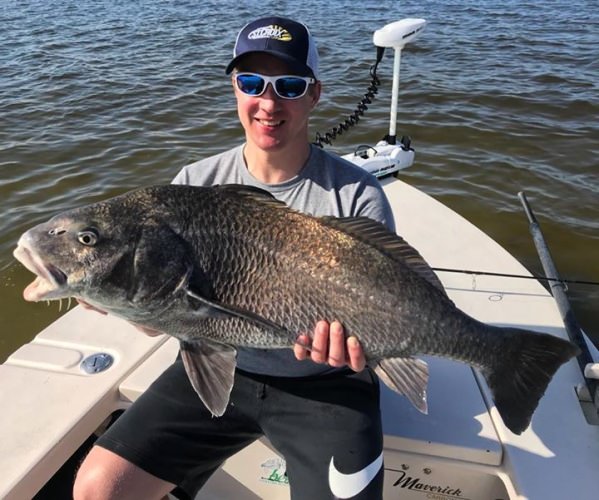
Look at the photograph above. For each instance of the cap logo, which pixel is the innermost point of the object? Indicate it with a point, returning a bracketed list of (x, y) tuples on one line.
[(273, 31)]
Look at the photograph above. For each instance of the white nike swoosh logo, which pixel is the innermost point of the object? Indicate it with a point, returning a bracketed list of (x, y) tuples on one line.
[(349, 485)]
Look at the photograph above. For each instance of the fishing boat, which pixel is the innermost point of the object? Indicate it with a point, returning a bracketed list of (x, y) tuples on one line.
[(74, 378)]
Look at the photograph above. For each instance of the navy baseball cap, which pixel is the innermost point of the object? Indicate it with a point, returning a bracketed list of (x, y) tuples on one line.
[(286, 39)]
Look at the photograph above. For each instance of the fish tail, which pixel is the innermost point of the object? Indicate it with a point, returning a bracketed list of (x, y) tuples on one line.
[(521, 373)]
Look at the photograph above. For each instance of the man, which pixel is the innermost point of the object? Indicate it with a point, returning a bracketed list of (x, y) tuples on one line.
[(319, 407)]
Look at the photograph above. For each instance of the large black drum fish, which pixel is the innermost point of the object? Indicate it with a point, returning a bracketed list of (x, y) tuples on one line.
[(226, 266)]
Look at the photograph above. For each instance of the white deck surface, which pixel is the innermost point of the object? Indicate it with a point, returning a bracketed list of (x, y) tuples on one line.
[(49, 406)]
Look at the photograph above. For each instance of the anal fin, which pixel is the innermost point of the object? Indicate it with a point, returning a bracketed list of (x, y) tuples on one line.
[(210, 367), (406, 376)]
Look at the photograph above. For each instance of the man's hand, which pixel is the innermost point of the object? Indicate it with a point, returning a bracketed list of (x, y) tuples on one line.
[(150, 332), (89, 307), (330, 346)]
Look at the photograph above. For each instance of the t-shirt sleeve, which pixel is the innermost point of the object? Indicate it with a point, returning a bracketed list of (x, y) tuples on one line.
[(373, 203)]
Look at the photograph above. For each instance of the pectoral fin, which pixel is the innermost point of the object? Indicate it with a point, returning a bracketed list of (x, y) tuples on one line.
[(207, 308), (210, 367), (406, 376)]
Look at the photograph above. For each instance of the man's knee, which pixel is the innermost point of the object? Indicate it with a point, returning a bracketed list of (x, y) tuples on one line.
[(97, 476), (104, 474)]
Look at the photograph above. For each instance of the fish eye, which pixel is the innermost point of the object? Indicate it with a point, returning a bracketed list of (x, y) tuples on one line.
[(88, 237)]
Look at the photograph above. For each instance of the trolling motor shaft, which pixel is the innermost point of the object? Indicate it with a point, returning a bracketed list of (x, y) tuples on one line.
[(396, 35)]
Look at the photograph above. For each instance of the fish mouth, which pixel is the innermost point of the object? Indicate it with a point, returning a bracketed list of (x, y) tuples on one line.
[(49, 281)]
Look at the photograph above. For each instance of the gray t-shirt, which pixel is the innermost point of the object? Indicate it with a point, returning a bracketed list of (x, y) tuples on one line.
[(326, 185)]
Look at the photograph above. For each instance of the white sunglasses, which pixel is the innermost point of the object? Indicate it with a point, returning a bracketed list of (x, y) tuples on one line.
[(285, 86)]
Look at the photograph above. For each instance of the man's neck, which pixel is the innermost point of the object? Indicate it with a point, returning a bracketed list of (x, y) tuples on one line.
[(274, 167)]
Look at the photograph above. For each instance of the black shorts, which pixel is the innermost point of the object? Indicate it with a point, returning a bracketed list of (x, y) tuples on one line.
[(322, 426)]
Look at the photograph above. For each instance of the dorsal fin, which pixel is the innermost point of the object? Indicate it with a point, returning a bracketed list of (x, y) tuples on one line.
[(376, 234), (249, 192)]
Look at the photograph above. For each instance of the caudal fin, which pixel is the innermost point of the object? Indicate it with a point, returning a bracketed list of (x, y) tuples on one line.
[(521, 373)]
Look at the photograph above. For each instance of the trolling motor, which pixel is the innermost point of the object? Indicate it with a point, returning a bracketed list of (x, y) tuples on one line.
[(387, 157)]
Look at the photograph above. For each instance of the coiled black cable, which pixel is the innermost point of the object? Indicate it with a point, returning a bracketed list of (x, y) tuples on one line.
[(354, 117)]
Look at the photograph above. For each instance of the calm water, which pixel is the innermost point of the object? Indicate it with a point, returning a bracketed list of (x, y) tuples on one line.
[(97, 98)]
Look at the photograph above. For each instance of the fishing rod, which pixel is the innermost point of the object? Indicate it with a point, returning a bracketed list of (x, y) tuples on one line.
[(521, 276), (558, 290)]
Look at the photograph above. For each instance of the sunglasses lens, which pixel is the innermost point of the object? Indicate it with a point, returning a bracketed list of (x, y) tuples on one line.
[(250, 84), (290, 88)]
